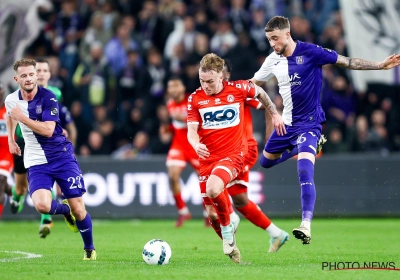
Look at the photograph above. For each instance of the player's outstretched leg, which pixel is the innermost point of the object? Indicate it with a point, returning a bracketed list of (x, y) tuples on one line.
[(84, 226), (46, 222), (308, 195), (86, 230), (254, 214), (184, 215)]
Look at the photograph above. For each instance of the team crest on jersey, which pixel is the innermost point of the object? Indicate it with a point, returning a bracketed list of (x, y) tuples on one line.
[(299, 59), (38, 109), (230, 98), (217, 101)]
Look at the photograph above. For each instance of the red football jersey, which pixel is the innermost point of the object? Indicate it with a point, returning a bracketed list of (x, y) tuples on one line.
[(221, 118), (179, 127)]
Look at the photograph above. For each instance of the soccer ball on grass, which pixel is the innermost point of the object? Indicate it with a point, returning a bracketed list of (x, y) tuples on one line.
[(156, 252)]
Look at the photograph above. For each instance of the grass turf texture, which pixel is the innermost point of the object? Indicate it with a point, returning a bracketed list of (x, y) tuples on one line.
[(197, 251)]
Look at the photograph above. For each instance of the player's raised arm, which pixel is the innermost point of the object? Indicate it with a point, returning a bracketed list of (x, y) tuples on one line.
[(361, 64), (277, 119), (194, 140)]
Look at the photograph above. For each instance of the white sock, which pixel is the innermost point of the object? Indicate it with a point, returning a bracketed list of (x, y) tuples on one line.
[(273, 230), (234, 216), (306, 224), (183, 211)]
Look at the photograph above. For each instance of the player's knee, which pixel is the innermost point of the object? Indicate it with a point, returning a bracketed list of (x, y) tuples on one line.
[(42, 207), (266, 163), (240, 200), (79, 213), (174, 177)]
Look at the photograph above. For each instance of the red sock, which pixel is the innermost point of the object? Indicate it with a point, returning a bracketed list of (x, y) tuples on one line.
[(216, 226), (1, 210), (221, 207), (180, 204), (254, 214), (228, 200)]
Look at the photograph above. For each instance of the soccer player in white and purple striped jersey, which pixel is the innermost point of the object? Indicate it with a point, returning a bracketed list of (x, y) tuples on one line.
[(48, 155), (298, 69)]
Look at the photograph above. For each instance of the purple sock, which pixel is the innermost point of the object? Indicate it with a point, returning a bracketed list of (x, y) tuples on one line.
[(58, 208), (85, 228), (267, 163), (305, 170)]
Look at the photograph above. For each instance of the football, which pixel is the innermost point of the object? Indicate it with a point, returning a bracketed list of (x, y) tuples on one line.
[(156, 252)]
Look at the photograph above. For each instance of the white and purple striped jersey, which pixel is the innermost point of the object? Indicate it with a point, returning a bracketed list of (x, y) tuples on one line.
[(44, 107), (300, 80)]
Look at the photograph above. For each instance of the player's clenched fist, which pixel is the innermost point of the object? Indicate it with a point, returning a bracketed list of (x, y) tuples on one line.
[(14, 148), (201, 150)]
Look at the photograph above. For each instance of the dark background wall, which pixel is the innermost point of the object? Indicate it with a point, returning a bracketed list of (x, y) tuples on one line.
[(365, 185)]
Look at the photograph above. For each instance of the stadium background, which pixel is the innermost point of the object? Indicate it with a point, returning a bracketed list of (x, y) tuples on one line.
[(111, 59)]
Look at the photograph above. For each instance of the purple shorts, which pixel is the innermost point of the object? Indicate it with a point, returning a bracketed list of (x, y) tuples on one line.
[(66, 172), (305, 138)]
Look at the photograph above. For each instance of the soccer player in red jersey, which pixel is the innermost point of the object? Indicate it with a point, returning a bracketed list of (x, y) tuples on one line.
[(180, 152), (215, 131), (237, 188)]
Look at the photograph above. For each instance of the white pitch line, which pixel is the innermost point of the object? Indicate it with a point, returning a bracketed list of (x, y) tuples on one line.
[(26, 255)]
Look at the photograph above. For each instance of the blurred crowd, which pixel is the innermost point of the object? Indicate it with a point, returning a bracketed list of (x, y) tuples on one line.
[(112, 59)]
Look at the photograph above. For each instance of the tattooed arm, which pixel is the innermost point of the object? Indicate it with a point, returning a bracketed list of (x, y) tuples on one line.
[(270, 107), (361, 64)]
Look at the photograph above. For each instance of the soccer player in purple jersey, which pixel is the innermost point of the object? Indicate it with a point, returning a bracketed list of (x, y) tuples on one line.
[(298, 69), (48, 154)]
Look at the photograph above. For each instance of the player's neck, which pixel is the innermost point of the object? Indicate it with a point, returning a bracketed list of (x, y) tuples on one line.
[(29, 95), (290, 48), (180, 98)]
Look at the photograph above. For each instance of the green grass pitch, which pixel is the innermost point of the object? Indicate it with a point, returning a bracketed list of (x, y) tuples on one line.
[(197, 251)]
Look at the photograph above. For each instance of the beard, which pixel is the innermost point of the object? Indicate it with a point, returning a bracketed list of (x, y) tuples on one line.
[(29, 89), (282, 50)]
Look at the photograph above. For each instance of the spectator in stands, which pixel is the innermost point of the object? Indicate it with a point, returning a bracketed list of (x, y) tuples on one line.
[(95, 80), (153, 80), (139, 148), (116, 49), (127, 85), (224, 39), (94, 33)]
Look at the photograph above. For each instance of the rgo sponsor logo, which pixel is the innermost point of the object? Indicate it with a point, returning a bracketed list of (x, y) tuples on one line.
[(221, 116)]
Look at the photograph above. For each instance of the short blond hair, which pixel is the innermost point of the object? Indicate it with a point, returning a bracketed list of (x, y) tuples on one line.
[(212, 62), (24, 62)]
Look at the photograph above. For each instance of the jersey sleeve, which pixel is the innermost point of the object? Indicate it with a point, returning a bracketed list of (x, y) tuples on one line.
[(50, 109), (65, 116), (253, 103), (193, 116), (264, 73), (324, 56)]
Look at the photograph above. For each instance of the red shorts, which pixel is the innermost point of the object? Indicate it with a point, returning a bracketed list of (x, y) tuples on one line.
[(240, 184), (6, 163), (179, 155), (227, 169)]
